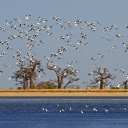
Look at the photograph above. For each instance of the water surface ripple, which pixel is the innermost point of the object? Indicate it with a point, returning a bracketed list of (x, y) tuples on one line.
[(64, 112)]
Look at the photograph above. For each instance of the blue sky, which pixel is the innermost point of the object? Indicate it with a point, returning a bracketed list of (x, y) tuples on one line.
[(107, 12)]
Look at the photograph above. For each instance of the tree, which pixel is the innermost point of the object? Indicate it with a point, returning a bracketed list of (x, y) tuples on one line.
[(28, 71), (34, 66), (125, 84), (102, 77), (22, 77), (62, 74), (46, 85)]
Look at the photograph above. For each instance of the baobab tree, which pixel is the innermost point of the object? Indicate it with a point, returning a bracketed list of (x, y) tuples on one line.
[(62, 74), (102, 77), (28, 71), (21, 76), (125, 83), (34, 66)]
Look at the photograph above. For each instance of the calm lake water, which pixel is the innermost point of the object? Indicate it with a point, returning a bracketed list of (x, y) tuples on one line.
[(65, 112)]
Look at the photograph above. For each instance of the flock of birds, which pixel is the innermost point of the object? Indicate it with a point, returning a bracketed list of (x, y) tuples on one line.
[(81, 111), (94, 109), (31, 38)]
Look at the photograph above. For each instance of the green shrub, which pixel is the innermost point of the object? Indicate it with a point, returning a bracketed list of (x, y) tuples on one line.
[(114, 88), (46, 85)]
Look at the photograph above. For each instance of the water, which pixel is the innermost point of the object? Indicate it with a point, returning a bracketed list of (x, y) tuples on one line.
[(65, 112)]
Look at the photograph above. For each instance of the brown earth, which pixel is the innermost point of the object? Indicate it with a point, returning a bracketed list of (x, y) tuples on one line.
[(65, 93)]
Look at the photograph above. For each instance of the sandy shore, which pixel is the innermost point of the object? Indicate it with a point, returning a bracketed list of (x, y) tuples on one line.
[(65, 93)]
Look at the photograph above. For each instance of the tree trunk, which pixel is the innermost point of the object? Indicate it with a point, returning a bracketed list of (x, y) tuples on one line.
[(25, 84), (60, 82), (32, 84), (67, 84), (125, 85), (102, 84)]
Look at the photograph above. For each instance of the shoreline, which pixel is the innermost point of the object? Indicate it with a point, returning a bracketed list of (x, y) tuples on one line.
[(64, 93)]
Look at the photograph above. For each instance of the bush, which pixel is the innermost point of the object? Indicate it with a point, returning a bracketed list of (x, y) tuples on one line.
[(19, 88), (74, 87), (114, 88), (46, 85), (92, 86)]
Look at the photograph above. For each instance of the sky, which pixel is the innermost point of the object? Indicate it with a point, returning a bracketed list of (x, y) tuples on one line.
[(104, 14)]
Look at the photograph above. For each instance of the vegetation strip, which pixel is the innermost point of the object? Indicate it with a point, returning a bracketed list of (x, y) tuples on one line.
[(66, 90)]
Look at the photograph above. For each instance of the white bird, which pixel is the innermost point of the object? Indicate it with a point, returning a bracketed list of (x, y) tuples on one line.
[(115, 69), (47, 58), (46, 110), (118, 86), (94, 109), (84, 44), (83, 36), (122, 70), (13, 26), (85, 82), (8, 23), (2, 28), (126, 77), (114, 25), (27, 17), (125, 109), (90, 73), (126, 46), (111, 51), (114, 47), (62, 110), (1, 73), (100, 56), (118, 35), (40, 76), (56, 18), (10, 48), (74, 61), (106, 110), (93, 58), (79, 42), (60, 57), (82, 112), (94, 65), (69, 65)]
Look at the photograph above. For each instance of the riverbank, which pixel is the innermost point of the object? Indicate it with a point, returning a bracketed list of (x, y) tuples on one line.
[(65, 93)]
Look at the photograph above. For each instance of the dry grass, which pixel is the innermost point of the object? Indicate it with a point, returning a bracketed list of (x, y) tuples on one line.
[(64, 93), (64, 90)]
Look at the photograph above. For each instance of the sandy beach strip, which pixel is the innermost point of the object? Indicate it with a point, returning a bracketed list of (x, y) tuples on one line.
[(65, 93)]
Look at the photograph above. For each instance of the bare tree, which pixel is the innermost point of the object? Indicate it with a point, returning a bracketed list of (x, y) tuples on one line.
[(21, 76), (28, 71), (125, 84), (102, 77), (70, 80), (62, 74), (34, 66)]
